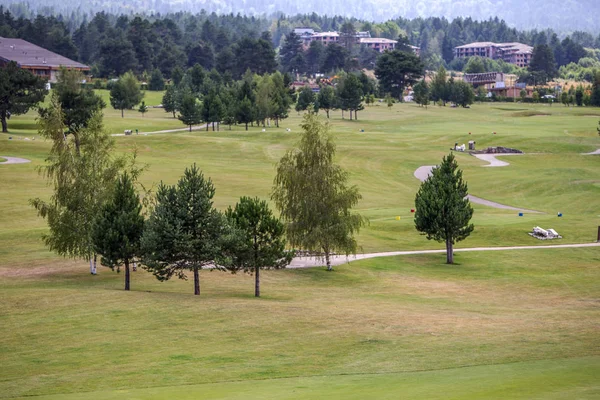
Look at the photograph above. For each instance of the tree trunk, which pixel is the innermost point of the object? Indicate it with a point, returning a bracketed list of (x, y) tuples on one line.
[(126, 274), (196, 282), (246, 126), (4, 124), (327, 113), (350, 115), (277, 122), (256, 282), (449, 253), (174, 114), (342, 114), (213, 124), (77, 143), (92, 266), (207, 126), (328, 261), (122, 114), (355, 115), (95, 263), (190, 128)]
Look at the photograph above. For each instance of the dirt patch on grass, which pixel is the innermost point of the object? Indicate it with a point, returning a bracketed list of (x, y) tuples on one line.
[(510, 109), (42, 270), (530, 113)]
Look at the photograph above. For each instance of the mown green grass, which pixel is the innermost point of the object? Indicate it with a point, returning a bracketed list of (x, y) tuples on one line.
[(64, 331), (548, 379)]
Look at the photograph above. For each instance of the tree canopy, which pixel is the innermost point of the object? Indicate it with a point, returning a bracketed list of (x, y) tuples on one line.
[(396, 70), (125, 93), (20, 90)]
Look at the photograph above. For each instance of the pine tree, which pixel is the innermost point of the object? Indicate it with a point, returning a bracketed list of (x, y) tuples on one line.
[(306, 97), (169, 100), (262, 239), (143, 108), (157, 82), (190, 112), (442, 210), (184, 232), (245, 112), (118, 229)]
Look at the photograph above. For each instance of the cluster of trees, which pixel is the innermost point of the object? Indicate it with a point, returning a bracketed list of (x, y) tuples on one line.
[(442, 90), (198, 96), (347, 95), (565, 16), (95, 208)]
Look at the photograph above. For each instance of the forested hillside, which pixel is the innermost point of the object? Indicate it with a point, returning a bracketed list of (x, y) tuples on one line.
[(113, 44), (563, 16)]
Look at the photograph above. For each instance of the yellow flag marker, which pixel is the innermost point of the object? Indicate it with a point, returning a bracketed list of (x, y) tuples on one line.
[(398, 218)]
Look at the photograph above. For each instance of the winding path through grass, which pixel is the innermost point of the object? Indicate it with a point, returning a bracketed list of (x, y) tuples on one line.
[(423, 172), (14, 160), (592, 153), (307, 262)]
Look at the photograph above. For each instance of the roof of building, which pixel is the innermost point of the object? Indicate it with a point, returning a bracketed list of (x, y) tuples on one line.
[(377, 40), (304, 31), (319, 34), (520, 47), (27, 54)]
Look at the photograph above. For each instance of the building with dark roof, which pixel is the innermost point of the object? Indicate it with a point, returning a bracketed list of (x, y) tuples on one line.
[(39, 61)]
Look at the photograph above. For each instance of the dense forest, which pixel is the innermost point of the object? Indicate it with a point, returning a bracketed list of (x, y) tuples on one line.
[(233, 43), (563, 16)]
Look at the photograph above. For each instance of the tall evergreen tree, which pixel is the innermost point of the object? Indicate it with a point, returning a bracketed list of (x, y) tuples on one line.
[(184, 232), (350, 96), (262, 239), (542, 65), (306, 97), (157, 82), (169, 100), (118, 228), (442, 211), (246, 112), (291, 55), (326, 99), (190, 111)]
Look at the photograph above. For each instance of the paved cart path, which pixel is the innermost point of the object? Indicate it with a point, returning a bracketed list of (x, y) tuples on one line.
[(423, 172), (14, 160), (307, 262)]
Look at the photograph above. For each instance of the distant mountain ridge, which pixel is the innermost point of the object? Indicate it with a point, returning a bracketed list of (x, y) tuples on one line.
[(560, 15)]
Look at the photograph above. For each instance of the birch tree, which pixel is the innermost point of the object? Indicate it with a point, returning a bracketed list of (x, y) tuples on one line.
[(313, 195), (82, 181)]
